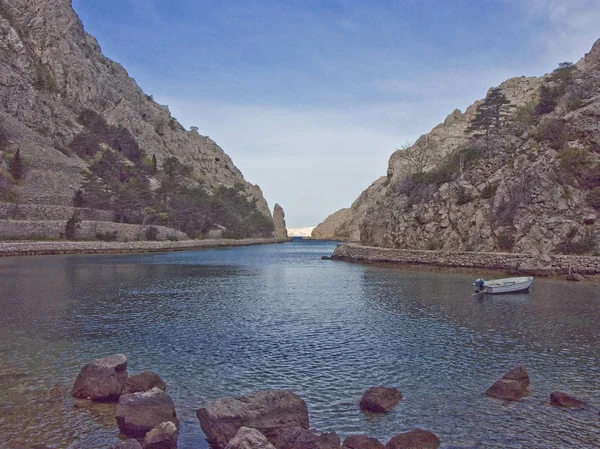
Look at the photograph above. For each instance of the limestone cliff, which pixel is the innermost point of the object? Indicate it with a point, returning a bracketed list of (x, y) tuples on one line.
[(52, 71), (519, 171), (344, 224), (280, 231)]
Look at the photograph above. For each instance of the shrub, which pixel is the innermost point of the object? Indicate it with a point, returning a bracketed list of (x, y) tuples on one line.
[(505, 240), (151, 233), (111, 236), (78, 198), (463, 196), (172, 238), (593, 198), (574, 103), (15, 166), (433, 245), (525, 114), (555, 132), (72, 225), (489, 191), (586, 244), (547, 101)]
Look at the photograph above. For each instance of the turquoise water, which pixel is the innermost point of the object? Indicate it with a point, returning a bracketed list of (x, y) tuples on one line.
[(225, 322)]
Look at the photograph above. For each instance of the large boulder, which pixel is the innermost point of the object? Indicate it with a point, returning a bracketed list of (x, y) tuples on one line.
[(300, 438), (145, 381), (131, 443), (362, 442), (163, 436), (102, 380), (415, 439), (267, 411), (564, 400), (380, 399), (139, 413), (247, 438), (512, 386)]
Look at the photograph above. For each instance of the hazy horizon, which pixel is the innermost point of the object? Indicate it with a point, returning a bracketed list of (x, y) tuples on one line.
[(310, 100)]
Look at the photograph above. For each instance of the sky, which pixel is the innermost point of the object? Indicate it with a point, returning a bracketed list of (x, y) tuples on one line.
[(311, 97)]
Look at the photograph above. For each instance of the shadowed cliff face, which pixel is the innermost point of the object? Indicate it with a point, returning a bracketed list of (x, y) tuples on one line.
[(524, 179), (50, 71)]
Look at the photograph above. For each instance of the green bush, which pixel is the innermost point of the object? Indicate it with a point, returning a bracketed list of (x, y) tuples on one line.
[(151, 233), (505, 240), (433, 245), (525, 114), (72, 225), (593, 198), (574, 103), (463, 196), (555, 133), (489, 191), (586, 244), (110, 236)]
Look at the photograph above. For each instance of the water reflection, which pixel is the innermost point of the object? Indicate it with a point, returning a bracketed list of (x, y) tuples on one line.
[(230, 321)]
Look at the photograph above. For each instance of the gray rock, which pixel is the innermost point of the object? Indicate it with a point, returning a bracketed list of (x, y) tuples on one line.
[(144, 382), (267, 411), (575, 277), (518, 373), (102, 380), (139, 413), (248, 438), (510, 390), (163, 436), (380, 399), (131, 443), (361, 442), (564, 400), (299, 438), (414, 439), (280, 231)]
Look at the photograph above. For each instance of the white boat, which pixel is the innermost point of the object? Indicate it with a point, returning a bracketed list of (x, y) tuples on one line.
[(506, 285)]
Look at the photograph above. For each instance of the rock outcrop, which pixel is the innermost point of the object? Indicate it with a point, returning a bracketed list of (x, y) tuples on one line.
[(267, 411), (163, 436), (139, 413), (344, 225), (102, 380), (512, 386), (525, 183), (414, 439), (51, 71), (361, 442), (380, 399), (280, 231), (145, 381), (564, 400), (300, 438), (248, 438)]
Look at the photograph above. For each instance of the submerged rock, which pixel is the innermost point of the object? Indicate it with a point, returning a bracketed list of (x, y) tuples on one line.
[(267, 411), (380, 399), (512, 386), (519, 374), (145, 381), (247, 438), (131, 443), (300, 438), (163, 436), (102, 380), (139, 413), (414, 439), (362, 442), (564, 400)]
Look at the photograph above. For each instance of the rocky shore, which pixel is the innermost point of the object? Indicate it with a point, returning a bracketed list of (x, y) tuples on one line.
[(97, 247), (545, 265)]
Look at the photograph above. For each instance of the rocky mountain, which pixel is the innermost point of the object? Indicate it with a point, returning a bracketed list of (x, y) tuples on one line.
[(518, 171), (57, 89)]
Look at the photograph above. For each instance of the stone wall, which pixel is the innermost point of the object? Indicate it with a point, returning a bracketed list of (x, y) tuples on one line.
[(88, 230), (48, 212), (518, 263)]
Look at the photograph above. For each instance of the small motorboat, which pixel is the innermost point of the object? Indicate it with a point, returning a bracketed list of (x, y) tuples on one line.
[(506, 285)]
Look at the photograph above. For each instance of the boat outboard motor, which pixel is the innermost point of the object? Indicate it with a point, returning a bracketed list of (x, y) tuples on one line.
[(479, 284)]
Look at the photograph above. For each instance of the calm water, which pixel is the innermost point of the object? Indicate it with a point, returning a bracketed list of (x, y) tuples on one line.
[(229, 321)]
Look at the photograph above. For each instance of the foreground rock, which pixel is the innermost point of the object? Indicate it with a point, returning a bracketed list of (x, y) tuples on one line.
[(102, 380), (512, 386), (267, 411), (247, 438), (380, 399), (145, 381), (132, 443), (362, 442), (163, 436), (299, 438), (564, 400), (415, 439), (139, 413)]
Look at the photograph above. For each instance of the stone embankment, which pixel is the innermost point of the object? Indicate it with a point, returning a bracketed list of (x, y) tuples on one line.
[(95, 247), (512, 262)]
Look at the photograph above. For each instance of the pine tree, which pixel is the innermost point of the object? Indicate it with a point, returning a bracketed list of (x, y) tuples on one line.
[(154, 164), (16, 166), (490, 112)]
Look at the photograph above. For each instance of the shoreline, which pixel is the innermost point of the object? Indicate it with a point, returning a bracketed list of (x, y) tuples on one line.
[(9, 249), (512, 263)]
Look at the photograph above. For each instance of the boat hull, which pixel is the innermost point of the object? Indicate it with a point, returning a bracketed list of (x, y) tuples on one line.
[(508, 285)]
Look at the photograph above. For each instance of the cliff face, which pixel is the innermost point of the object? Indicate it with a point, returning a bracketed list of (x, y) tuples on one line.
[(519, 172), (280, 231), (51, 71)]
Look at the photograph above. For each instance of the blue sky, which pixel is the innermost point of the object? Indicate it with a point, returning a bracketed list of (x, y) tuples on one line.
[(310, 98)]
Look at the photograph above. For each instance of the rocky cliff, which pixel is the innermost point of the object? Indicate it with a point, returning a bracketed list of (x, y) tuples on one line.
[(519, 171), (280, 231), (52, 72)]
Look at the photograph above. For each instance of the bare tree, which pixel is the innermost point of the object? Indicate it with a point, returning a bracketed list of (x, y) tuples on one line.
[(417, 156)]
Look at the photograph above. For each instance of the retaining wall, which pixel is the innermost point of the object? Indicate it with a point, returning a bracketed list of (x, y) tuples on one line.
[(517, 263), (48, 212)]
